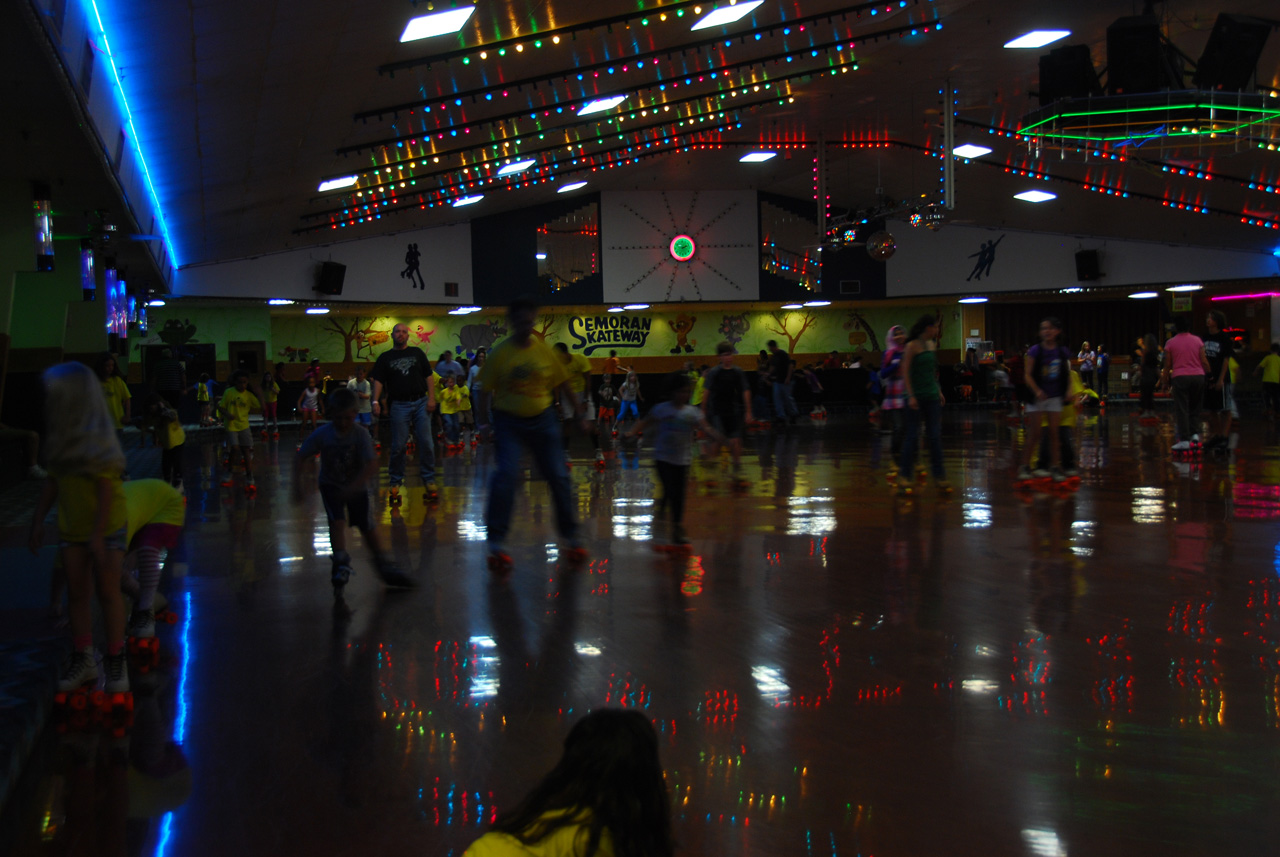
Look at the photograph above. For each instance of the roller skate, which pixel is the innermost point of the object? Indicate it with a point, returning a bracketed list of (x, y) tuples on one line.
[(906, 487), (944, 487), (263, 434), (141, 642), (600, 459), (393, 497), (341, 573), (251, 488), (1028, 479), (499, 560), (430, 493), (275, 435), (391, 575), (1188, 450), (891, 475), (739, 485), (677, 545)]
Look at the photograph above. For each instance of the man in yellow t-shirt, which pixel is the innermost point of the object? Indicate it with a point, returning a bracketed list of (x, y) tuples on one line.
[(520, 378), (1269, 369), (234, 409)]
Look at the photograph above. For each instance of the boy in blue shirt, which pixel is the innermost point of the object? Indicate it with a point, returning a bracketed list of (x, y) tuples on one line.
[(347, 464)]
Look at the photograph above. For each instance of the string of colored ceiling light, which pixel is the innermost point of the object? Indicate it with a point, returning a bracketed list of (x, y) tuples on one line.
[(593, 164), (1172, 169), (387, 165), (712, 71), (553, 37), (638, 112), (636, 133)]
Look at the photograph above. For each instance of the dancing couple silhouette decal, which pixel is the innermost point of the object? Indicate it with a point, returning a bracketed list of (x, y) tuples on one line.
[(411, 271), (986, 257)]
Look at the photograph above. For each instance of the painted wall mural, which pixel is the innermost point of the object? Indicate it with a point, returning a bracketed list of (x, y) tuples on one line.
[(347, 339)]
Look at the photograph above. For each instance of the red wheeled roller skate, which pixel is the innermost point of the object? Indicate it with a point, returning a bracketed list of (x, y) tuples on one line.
[(393, 497)]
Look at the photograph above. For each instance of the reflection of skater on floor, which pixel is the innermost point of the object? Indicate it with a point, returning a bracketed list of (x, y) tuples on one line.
[(986, 258), (411, 257)]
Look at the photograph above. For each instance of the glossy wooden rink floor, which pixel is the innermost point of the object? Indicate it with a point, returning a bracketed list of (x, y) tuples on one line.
[(832, 671)]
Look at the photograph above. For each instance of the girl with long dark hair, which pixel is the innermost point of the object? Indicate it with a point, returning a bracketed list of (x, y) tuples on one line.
[(606, 796)]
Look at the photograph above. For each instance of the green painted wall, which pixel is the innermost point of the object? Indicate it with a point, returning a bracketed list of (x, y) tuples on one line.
[(333, 338), (41, 302)]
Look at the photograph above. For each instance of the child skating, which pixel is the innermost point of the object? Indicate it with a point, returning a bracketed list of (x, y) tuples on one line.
[(726, 404), (85, 464), (310, 408), (1047, 366), (347, 464), (676, 421), (234, 408), (270, 406), (455, 400), (628, 394)]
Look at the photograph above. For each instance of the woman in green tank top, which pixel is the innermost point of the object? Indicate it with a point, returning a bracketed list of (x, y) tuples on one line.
[(924, 402)]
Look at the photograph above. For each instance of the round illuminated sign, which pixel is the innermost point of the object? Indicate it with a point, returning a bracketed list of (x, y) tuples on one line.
[(682, 248)]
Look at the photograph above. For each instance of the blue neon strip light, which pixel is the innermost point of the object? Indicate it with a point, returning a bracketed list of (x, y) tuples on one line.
[(133, 133)]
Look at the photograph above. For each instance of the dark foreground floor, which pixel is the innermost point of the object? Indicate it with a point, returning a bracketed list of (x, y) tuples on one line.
[(832, 672)]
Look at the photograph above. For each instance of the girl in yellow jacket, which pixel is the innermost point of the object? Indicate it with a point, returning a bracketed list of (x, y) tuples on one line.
[(455, 400), (606, 797)]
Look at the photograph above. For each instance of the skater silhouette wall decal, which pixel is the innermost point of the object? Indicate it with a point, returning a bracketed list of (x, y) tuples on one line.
[(986, 258), (411, 271)]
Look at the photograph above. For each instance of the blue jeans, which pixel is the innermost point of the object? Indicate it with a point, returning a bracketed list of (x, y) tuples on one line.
[(930, 413), (541, 436), (784, 403), (403, 415), (451, 427)]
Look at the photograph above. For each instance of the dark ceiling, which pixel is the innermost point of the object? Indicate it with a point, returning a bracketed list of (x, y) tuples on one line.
[(244, 107)]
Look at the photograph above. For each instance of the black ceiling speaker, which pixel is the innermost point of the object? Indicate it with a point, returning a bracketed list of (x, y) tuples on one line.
[(1087, 266), (1067, 72), (1230, 59), (1139, 59), (329, 280)]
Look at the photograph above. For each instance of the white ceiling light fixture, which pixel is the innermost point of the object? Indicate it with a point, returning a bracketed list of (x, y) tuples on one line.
[(1189, 287), (335, 184), (1037, 38), (969, 150), (156, 302), (279, 302), (972, 300), (317, 310), (726, 15), (600, 105), (1035, 196), (817, 303), (517, 167), (436, 24), (539, 256), (757, 157), (467, 200), (793, 306), (616, 309), (1142, 296), (636, 306), (571, 186)]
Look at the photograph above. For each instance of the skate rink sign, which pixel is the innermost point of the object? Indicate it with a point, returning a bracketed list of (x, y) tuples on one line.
[(611, 330)]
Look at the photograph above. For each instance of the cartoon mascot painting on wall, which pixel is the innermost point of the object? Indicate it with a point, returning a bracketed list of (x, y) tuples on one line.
[(681, 326)]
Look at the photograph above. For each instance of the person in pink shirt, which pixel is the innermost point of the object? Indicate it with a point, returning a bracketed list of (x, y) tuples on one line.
[(1185, 366)]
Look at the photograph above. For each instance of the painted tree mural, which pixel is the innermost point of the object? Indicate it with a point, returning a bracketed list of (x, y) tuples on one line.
[(348, 327), (861, 333), (792, 325), (543, 327)]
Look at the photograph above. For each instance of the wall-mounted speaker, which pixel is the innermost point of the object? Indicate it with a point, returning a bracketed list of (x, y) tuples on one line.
[(1230, 59), (1138, 58), (1087, 266), (329, 280)]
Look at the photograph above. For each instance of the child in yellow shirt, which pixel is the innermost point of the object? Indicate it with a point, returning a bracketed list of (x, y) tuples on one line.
[(455, 400), (86, 463)]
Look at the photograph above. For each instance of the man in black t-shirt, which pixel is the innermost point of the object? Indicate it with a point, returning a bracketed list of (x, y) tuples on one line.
[(784, 402), (404, 372), (1217, 383), (726, 402)]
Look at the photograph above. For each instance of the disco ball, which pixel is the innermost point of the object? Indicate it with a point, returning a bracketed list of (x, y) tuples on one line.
[(916, 218), (881, 246)]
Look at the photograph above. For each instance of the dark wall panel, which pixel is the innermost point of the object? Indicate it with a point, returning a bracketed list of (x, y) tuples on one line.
[(1115, 324), (503, 263)]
